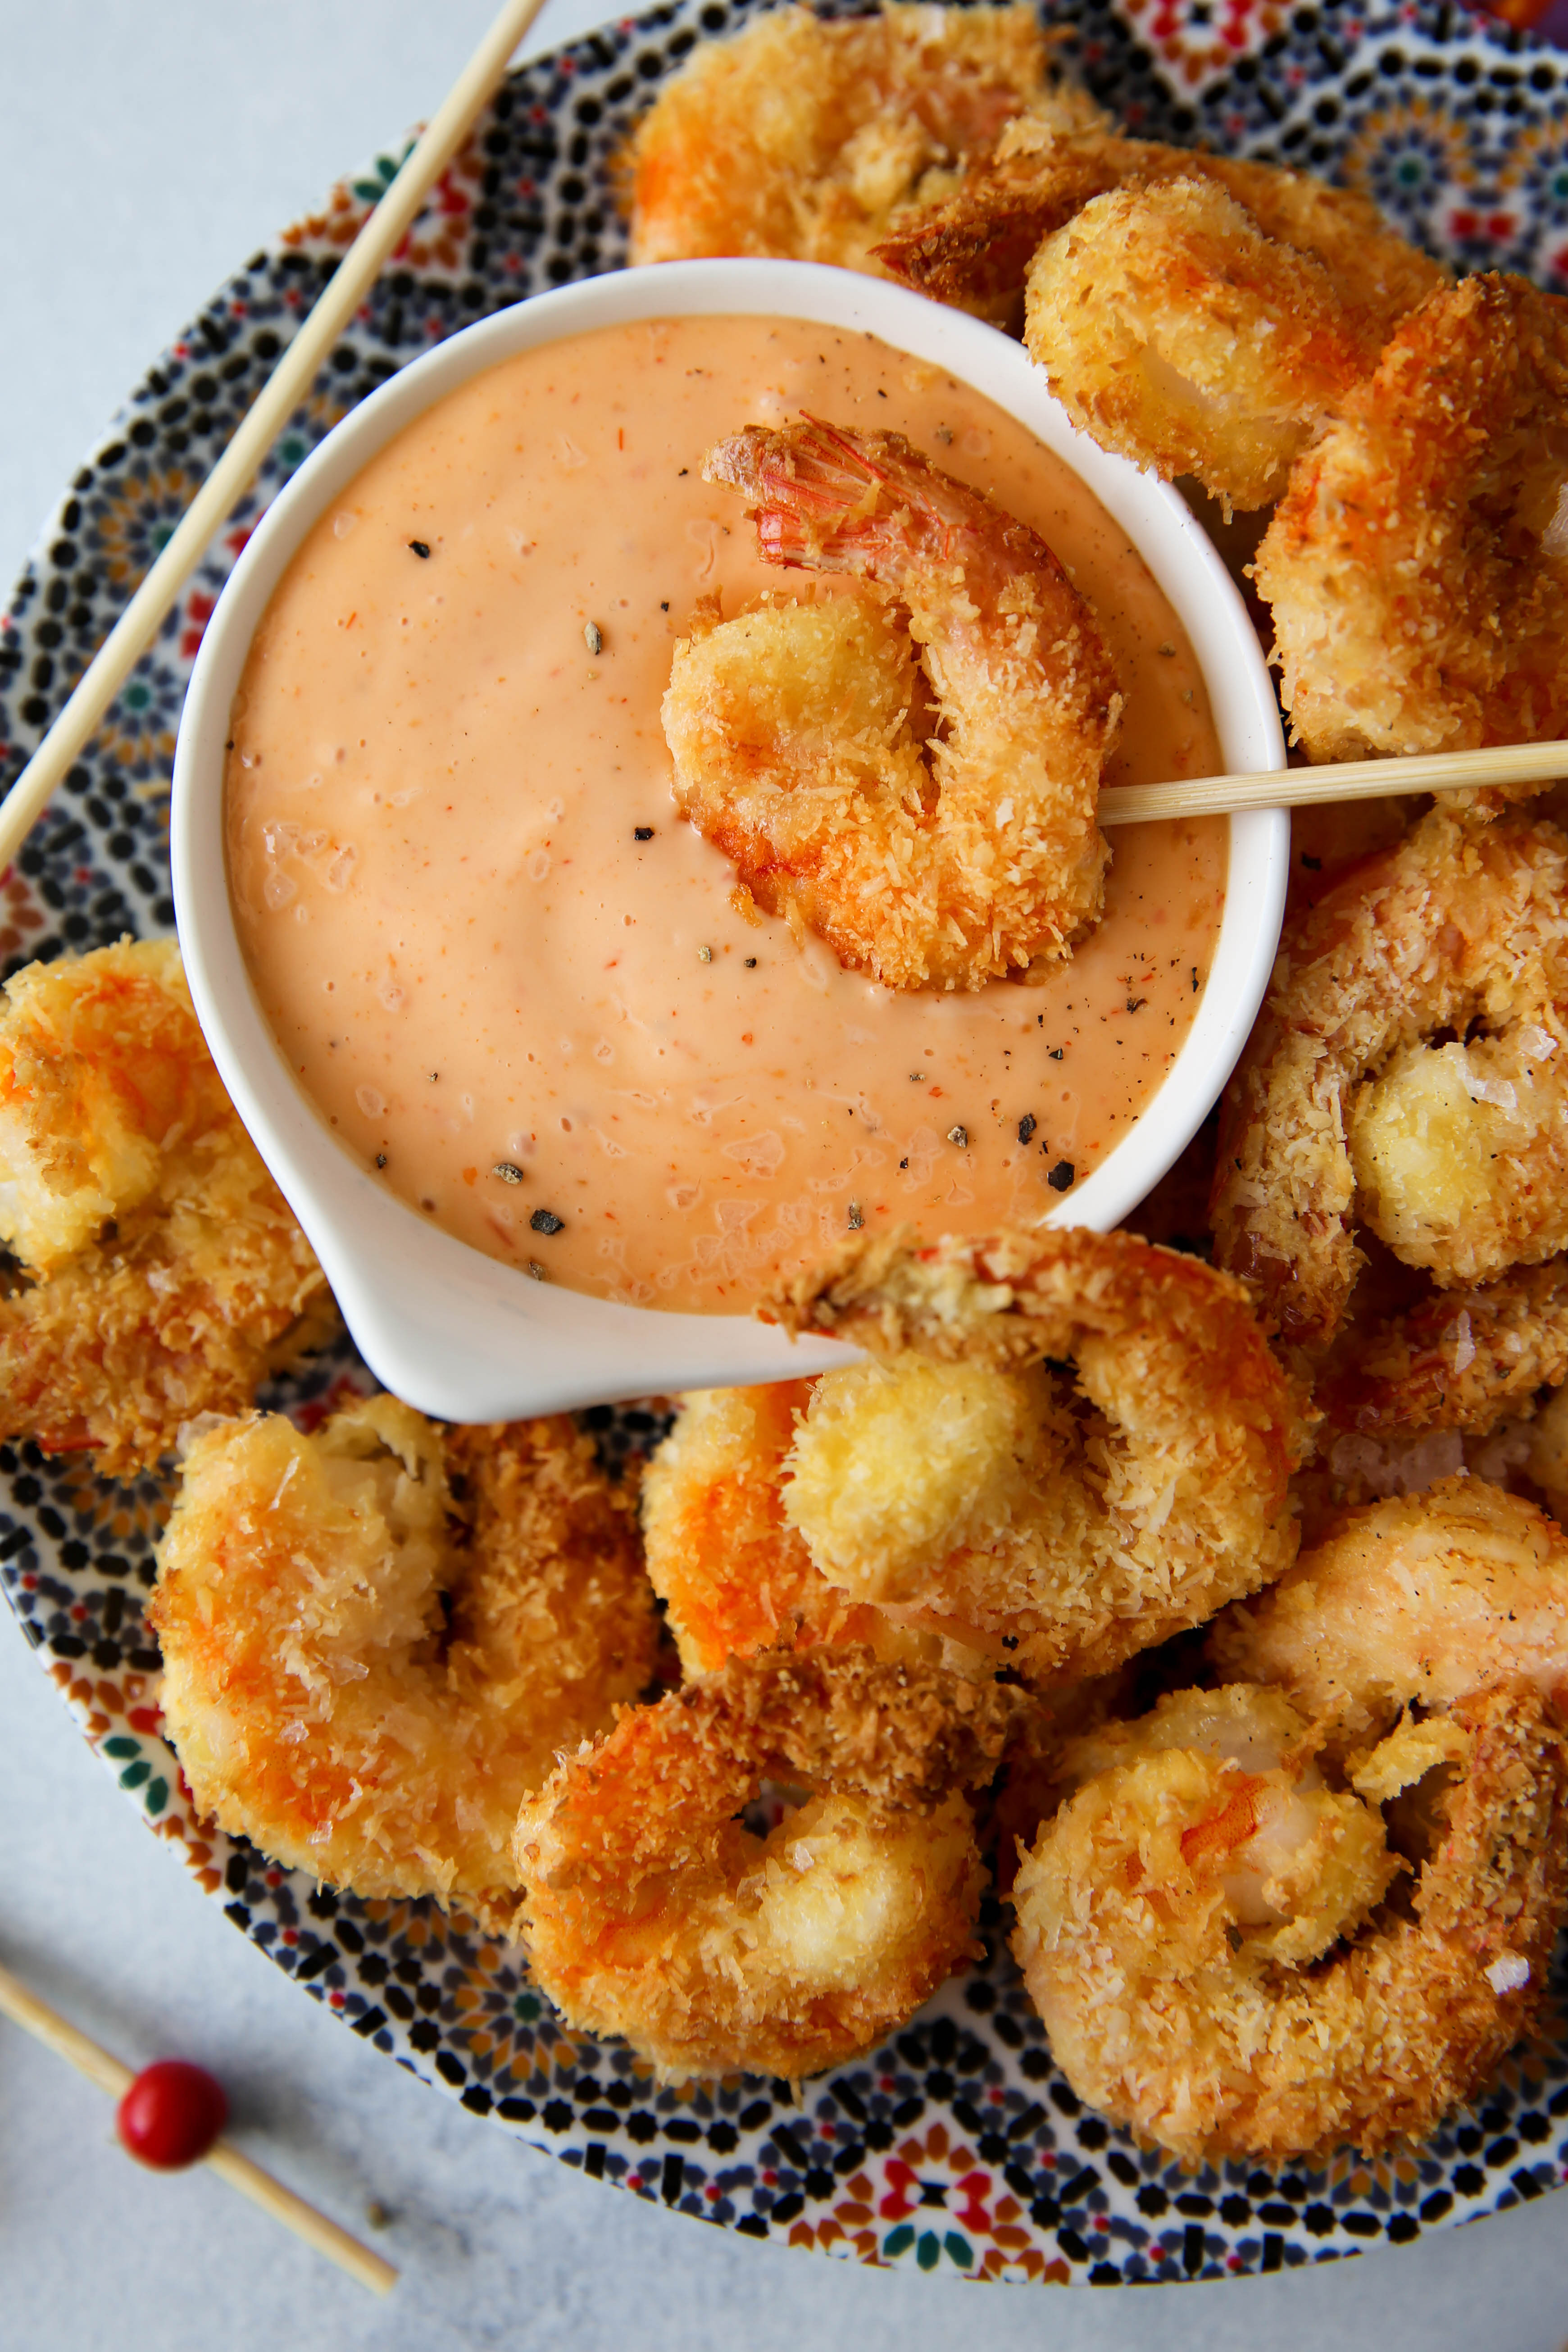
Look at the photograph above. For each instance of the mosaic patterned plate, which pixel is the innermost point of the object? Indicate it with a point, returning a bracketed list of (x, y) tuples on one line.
[(957, 2146)]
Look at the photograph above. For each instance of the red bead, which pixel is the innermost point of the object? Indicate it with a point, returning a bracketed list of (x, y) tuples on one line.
[(171, 2114)]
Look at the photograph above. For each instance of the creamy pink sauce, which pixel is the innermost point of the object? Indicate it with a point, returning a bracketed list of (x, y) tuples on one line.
[(434, 792)]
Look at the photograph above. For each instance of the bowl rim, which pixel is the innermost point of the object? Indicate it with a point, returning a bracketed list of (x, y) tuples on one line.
[(461, 1335)]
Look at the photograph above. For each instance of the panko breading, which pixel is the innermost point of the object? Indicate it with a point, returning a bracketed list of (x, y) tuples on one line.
[(1070, 1447), (1346, 1106), (1418, 566), (168, 1276), (806, 138), (376, 1639), (651, 1912), (944, 863), (1175, 332), (1419, 1598), (1202, 1929)]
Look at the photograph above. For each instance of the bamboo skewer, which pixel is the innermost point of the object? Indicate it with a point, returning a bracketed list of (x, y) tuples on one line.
[(25, 2009), (275, 403), (1348, 780)]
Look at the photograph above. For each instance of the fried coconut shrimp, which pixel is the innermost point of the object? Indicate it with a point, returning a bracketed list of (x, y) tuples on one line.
[(943, 864), (1459, 1360), (651, 1912), (1176, 332), (1198, 315), (736, 1576), (977, 244), (1408, 1069), (165, 1275), (376, 1638), (1418, 566), (1417, 1598), (1232, 1953), (1067, 1446), (805, 139)]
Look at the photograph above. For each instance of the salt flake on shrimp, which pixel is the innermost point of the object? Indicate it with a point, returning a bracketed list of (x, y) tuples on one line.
[(792, 727)]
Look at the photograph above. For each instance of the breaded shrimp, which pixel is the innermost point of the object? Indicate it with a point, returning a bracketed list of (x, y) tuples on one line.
[(944, 865), (376, 1639), (1204, 1931), (1176, 332), (167, 1274), (1346, 1104), (804, 138), (1418, 1599), (1463, 1359), (1418, 566), (651, 1912), (1069, 1446), (976, 244), (735, 1576)]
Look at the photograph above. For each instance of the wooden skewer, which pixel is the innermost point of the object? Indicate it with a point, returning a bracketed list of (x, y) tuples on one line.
[(1350, 779), (280, 396), (36, 2016)]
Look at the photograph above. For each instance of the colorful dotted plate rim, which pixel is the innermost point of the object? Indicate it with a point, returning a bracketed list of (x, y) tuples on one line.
[(957, 2146)]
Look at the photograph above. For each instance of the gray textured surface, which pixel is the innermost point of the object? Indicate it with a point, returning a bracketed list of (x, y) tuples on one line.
[(144, 152)]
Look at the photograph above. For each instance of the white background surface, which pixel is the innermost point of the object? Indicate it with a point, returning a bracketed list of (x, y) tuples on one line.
[(144, 152)]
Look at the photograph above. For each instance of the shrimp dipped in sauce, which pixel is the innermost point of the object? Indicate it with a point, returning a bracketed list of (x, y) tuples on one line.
[(376, 1638), (165, 1275), (1068, 1445), (654, 1913), (945, 862)]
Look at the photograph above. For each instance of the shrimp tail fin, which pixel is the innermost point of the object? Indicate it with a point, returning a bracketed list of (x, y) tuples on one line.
[(816, 491)]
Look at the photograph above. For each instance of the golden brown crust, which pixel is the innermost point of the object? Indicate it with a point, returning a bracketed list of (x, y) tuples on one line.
[(806, 137), (1175, 331), (1072, 1533), (651, 1913), (977, 242), (1415, 1599), (1455, 927), (376, 1639), (1418, 604), (168, 1274), (1227, 2053), (1467, 1360), (942, 863)]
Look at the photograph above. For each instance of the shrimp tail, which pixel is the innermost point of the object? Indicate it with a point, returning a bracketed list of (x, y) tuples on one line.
[(871, 504)]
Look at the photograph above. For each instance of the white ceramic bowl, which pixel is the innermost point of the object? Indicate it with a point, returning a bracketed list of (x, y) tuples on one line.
[(451, 1331)]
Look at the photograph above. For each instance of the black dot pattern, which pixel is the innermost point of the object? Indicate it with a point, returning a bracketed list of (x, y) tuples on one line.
[(957, 2146)]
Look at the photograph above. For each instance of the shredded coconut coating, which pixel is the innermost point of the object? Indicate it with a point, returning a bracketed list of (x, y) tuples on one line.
[(1418, 1598), (977, 243), (806, 138), (944, 863), (166, 1276), (1071, 1444), (1344, 1105), (1175, 332), (652, 1913), (376, 1639), (1418, 566), (1465, 1360), (1199, 1933), (736, 1576)]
